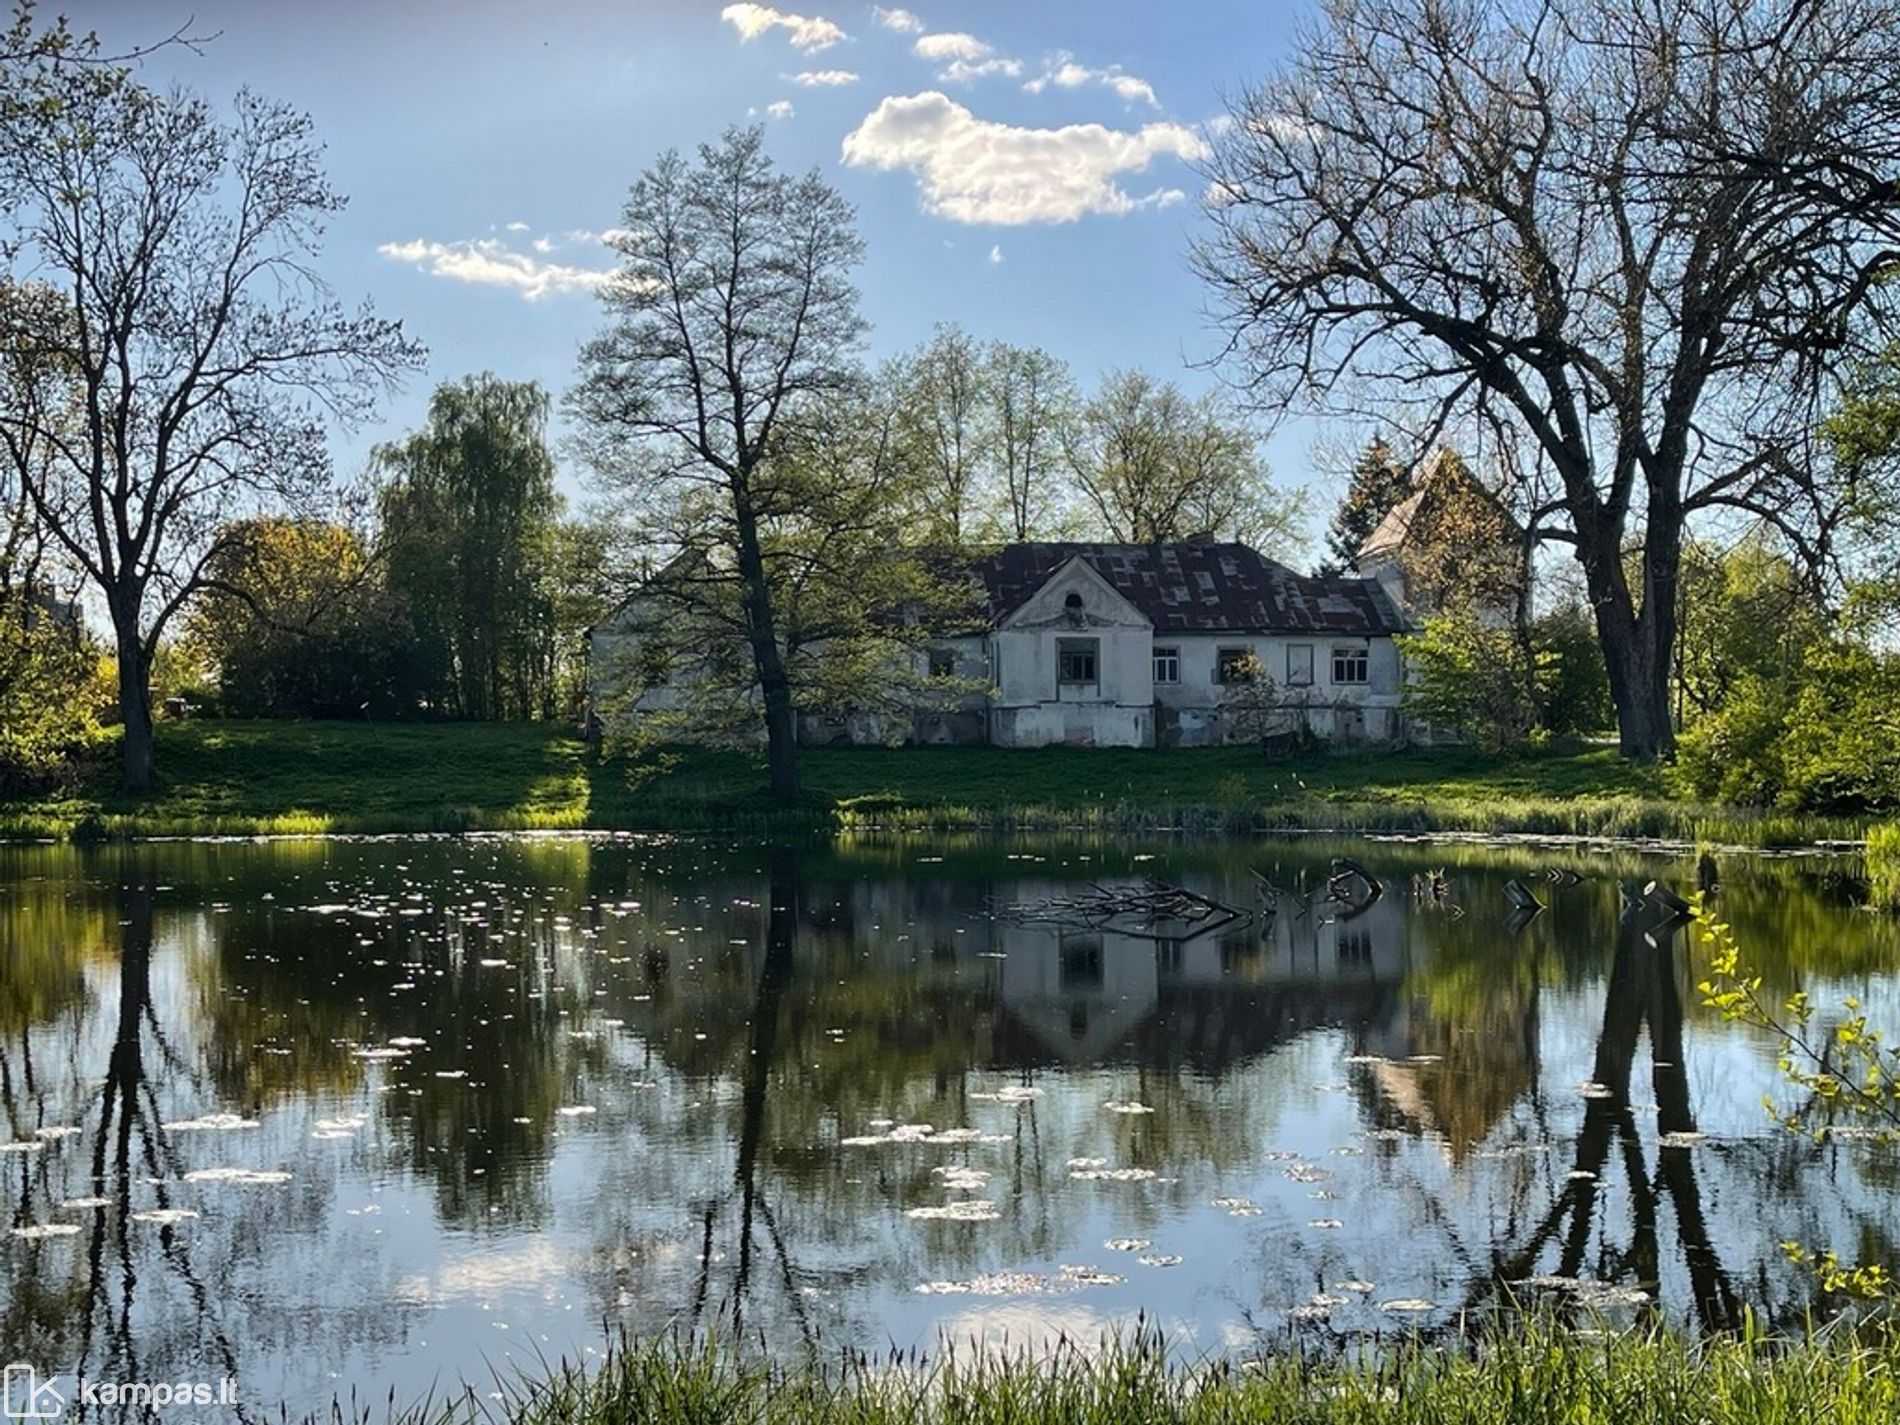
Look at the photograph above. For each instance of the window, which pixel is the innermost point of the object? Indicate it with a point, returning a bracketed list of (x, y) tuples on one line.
[(1235, 665), (654, 664), (1349, 665), (1167, 665), (1299, 665), (943, 663), (1081, 965), (1073, 601), (1076, 660)]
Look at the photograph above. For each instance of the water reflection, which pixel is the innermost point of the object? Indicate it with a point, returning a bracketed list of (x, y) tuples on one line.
[(376, 1114), (1642, 992)]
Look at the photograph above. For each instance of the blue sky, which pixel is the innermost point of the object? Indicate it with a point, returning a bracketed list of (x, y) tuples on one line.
[(1025, 169)]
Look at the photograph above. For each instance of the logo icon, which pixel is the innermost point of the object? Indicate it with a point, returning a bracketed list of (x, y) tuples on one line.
[(28, 1397)]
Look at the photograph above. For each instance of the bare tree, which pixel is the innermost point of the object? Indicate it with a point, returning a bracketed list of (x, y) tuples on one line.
[(184, 377), (734, 324), (1638, 242)]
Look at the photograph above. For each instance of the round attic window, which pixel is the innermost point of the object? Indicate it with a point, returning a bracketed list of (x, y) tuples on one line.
[(1074, 601)]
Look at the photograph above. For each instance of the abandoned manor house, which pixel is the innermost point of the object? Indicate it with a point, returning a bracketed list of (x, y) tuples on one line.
[(1108, 645)]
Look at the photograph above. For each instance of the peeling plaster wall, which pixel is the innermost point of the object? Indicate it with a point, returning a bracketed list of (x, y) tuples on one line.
[(1034, 707), (1029, 705)]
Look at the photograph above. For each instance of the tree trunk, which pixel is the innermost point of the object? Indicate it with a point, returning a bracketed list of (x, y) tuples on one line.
[(135, 702), (775, 686), (1639, 684), (1637, 648)]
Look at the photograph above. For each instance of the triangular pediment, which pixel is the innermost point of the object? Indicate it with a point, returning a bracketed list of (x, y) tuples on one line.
[(1077, 596)]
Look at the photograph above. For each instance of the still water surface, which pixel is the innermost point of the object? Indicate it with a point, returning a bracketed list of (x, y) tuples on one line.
[(336, 1117)]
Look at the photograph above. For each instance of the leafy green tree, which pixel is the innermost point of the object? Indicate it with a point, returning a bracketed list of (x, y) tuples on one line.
[(1572, 683), (855, 599), (1823, 736), (943, 428), (733, 330), (186, 375), (53, 684), (1747, 612), (1473, 677), (1154, 465), (49, 669), (584, 579), (470, 515), (295, 624), (1378, 484), (1030, 413)]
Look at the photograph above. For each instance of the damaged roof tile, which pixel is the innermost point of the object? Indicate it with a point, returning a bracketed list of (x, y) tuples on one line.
[(1195, 587)]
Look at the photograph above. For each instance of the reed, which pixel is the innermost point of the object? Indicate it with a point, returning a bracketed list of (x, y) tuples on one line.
[(1541, 1371)]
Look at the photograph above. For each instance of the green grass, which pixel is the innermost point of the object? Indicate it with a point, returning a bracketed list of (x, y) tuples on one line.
[(250, 778), (1543, 1374)]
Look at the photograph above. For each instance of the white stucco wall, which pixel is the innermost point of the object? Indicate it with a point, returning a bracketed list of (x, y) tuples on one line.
[(1192, 707), (1026, 703), (1034, 708)]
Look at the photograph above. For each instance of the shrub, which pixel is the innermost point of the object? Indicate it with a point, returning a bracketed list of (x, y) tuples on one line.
[(1474, 678), (53, 684), (1821, 737), (1573, 683)]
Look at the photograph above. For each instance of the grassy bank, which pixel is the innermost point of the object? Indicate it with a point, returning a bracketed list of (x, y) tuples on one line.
[(1546, 1375), (248, 778)]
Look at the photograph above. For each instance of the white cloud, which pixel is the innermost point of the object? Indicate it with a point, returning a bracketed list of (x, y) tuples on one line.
[(488, 262), (606, 237), (903, 21), (779, 109), (996, 252), (962, 71), (973, 170), (950, 46), (806, 32), (824, 78), (1065, 73)]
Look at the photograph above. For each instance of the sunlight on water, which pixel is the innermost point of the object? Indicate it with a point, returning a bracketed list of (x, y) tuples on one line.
[(396, 1112)]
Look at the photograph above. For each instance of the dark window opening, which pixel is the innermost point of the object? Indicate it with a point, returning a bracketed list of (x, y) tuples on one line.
[(1082, 965), (1350, 665), (943, 663), (1235, 665), (1077, 661), (1355, 946)]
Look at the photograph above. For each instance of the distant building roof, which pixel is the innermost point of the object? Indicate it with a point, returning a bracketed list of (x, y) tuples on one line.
[(1395, 529), (1198, 587), (1392, 531)]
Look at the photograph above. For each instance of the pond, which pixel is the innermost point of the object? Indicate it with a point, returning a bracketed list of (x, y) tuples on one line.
[(355, 1117)]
